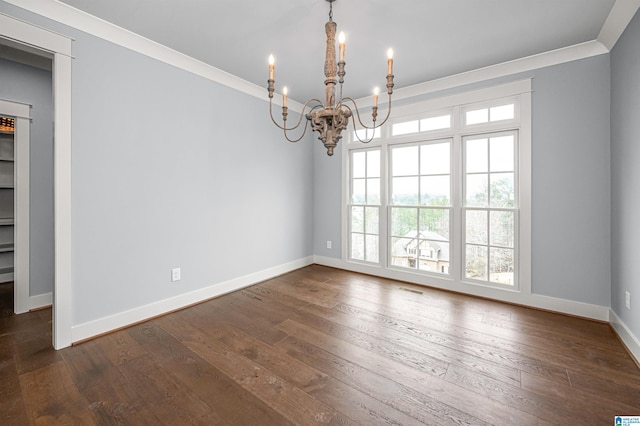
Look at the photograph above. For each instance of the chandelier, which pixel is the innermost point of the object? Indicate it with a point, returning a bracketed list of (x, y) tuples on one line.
[(330, 118)]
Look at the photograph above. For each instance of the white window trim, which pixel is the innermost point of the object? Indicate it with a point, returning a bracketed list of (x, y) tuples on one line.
[(456, 102)]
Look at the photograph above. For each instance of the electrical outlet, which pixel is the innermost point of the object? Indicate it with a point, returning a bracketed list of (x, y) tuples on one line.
[(328, 244), (627, 300), (175, 274)]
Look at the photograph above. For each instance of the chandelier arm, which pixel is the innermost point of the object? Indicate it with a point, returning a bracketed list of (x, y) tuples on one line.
[(387, 116), (304, 132), (302, 114), (375, 126), (355, 106), (353, 120), (305, 127)]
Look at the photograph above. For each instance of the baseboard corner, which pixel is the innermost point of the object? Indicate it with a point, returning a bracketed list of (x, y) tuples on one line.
[(626, 336)]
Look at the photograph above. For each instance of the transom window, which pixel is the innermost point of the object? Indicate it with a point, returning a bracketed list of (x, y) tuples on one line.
[(490, 114), (428, 124)]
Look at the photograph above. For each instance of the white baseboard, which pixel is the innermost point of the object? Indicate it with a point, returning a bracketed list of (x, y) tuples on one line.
[(630, 340), (40, 301), (122, 319), (586, 310)]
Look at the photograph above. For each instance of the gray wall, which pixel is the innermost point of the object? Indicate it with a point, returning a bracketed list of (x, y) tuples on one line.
[(571, 180), (327, 193), (170, 169), (625, 174), (32, 86), (570, 173)]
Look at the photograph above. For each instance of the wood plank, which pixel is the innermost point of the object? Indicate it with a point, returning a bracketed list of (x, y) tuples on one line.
[(369, 343), (109, 395), (51, 397), (288, 400), (410, 395), (548, 407), (364, 356), (624, 391), (167, 396), (305, 289), (33, 350), (502, 364), (291, 369), (12, 408), (120, 347), (361, 407), (600, 407), (419, 339), (235, 311), (225, 396), (562, 353), (379, 326), (370, 410)]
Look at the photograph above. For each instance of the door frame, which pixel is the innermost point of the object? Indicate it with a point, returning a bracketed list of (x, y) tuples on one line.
[(50, 43)]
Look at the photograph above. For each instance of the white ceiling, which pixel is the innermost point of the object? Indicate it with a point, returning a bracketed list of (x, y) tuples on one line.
[(431, 38)]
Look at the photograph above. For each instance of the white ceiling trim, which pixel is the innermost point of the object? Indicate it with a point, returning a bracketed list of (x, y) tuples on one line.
[(621, 14), (529, 63)]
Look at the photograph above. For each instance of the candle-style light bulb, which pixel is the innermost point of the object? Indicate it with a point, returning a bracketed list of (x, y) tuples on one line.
[(285, 91), (390, 61), (341, 39), (272, 61), (376, 91)]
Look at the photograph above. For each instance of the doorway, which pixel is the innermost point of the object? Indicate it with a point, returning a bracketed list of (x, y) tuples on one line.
[(49, 44), (26, 171)]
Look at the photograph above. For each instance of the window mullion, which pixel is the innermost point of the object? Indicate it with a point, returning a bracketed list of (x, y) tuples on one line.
[(383, 229), (457, 230)]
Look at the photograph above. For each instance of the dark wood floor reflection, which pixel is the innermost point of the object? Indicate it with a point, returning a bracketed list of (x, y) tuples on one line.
[(322, 346)]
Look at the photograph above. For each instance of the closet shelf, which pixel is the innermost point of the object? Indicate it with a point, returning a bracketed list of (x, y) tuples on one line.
[(4, 248)]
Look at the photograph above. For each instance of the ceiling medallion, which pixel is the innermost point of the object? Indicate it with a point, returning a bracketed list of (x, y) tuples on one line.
[(330, 118)]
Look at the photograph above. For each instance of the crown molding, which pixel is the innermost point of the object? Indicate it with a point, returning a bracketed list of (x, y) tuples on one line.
[(529, 63), (621, 14)]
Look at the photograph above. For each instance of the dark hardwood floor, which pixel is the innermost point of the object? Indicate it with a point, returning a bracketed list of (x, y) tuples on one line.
[(322, 346)]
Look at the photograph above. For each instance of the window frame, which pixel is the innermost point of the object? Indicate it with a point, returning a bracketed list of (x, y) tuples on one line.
[(457, 104), (350, 204)]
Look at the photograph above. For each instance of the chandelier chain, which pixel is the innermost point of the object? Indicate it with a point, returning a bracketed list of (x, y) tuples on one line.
[(330, 10)]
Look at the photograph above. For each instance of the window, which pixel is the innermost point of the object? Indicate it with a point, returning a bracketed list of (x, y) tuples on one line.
[(420, 205), (490, 114), (427, 124), (439, 192), (365, 206), (489, 207)]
